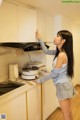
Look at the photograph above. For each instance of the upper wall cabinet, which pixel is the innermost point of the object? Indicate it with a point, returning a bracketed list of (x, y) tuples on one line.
[(27, 24), (49, 28), (8, 22), (46, 26), (42, 25)]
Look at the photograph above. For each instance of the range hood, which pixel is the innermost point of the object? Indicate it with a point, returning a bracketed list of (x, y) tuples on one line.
[(30, 46)]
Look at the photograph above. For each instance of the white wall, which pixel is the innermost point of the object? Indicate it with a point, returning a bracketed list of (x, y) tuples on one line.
[(70, 25), (64, 23), (76, 39)]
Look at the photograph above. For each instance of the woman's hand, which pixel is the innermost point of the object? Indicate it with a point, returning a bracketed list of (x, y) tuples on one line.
[(35, 81), (38, 37)]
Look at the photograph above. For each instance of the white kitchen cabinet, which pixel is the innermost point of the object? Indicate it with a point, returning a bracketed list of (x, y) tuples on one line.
[(46, 26), (8, 22), (27, 24), (49, 28), (34, 103), (49, 100), (15, 109), (42, 25)]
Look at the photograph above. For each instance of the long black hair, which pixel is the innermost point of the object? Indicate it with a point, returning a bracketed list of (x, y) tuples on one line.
[(68, 48)]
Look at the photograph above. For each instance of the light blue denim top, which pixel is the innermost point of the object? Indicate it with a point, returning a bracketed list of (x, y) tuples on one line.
[(58, 75)]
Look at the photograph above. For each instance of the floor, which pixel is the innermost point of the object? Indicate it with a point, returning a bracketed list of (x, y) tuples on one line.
[(75, 107)]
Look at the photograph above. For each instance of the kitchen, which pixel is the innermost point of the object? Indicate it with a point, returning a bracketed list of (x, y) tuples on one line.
[(19, 20)]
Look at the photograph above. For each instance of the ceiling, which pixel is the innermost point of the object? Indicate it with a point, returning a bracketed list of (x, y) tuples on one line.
[(56, 7)]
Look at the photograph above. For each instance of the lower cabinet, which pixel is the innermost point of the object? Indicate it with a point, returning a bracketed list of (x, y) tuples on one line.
[(34, 103), (41, 101), (49, 100), (15, 108)]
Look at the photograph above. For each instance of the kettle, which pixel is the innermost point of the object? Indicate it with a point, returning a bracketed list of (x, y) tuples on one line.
[(13, 72)]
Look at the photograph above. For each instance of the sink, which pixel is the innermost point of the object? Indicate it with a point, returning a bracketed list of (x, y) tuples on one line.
[(8, 86)]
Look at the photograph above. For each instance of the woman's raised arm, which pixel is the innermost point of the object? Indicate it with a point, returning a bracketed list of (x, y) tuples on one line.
[(46, 51)]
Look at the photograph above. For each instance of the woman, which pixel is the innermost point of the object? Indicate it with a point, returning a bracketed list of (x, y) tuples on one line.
[(63, 70)]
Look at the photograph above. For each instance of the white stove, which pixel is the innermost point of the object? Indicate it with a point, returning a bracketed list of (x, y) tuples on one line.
[(30, 73)]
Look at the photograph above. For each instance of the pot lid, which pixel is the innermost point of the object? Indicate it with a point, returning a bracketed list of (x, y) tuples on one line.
[(30, 68)]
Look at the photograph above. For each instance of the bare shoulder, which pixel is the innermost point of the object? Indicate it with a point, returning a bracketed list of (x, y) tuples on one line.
[(60, 60), (62, 55)]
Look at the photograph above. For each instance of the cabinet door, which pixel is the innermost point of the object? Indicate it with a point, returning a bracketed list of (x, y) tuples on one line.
[(46, 26), (49, 99), (27, 23), (15, 109), (8, 22), (34, 103), (49, 28), (42, 25)]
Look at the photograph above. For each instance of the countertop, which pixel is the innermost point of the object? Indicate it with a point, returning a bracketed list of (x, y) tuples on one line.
[(28, 85)]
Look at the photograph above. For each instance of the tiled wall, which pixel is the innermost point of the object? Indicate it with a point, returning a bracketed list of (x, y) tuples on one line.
[(16, 56)]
